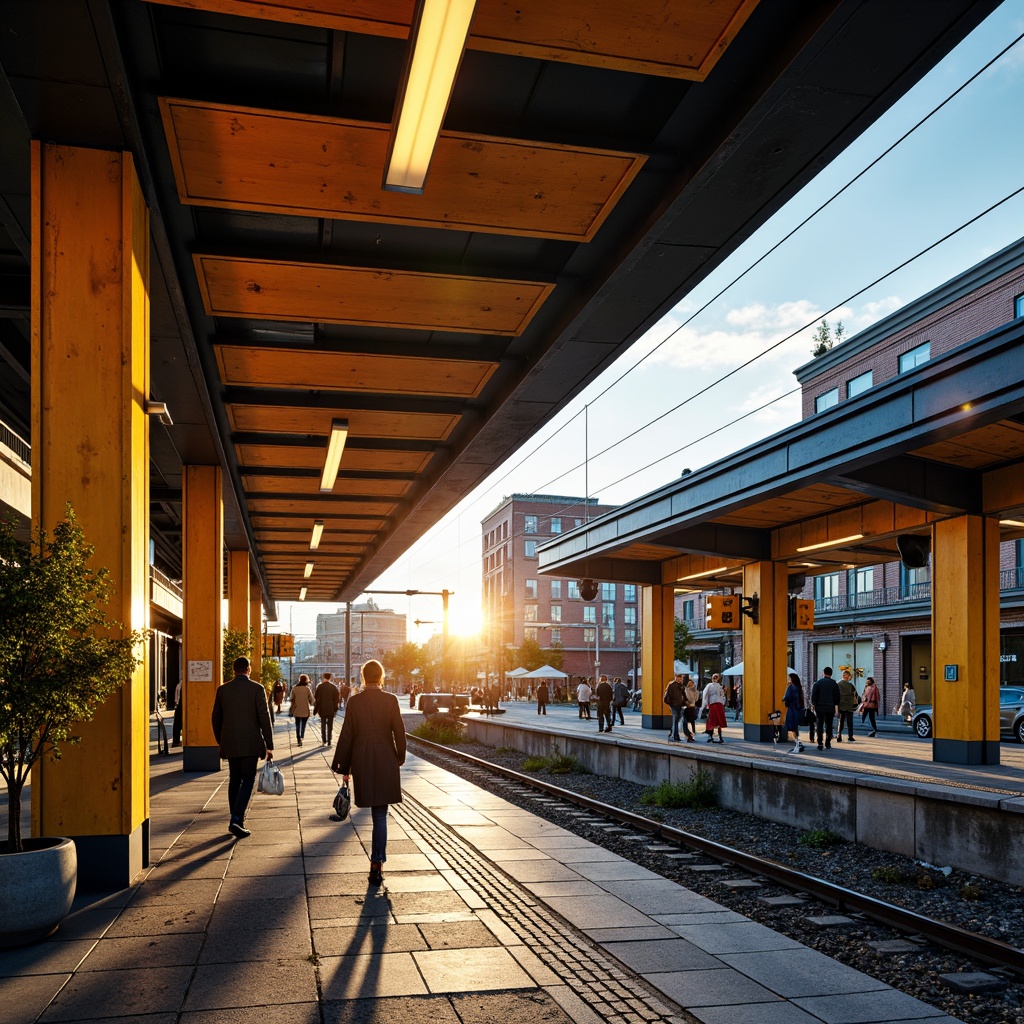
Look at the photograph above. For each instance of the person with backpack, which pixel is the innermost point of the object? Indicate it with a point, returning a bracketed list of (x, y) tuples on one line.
[(675, 699), (619, 700)]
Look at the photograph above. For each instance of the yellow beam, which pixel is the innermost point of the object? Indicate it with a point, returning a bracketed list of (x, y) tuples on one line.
[(90, 322), (657, 653), (764, 647), (256, 624)]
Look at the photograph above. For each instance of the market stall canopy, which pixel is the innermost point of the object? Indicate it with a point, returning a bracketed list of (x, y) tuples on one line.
[(546, 672), (737, 670)]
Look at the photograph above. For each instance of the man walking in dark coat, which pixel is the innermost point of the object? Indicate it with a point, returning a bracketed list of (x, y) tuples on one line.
[(604, 694), (325, 704), (241, 724), (825, 699)]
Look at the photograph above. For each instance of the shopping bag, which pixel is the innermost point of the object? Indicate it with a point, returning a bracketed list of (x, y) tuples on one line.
[(342, 802), (271, 780)]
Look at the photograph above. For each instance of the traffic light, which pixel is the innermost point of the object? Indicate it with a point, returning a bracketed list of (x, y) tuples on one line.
[(287, 649), (801, 613), (268, 645), (723, 612)]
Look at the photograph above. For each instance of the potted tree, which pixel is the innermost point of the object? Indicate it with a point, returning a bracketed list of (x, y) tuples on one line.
[(60, 659)]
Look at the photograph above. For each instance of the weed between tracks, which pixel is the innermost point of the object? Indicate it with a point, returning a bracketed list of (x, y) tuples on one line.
[(697, 794)]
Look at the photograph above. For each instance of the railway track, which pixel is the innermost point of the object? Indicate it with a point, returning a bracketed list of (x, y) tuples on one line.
[(981, 947)]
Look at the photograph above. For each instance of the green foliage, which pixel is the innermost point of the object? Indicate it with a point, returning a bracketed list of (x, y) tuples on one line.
[(564, 764), (531, 655), (888, 875), (682, 640), (237, 643), (403, 661), (820, 838), (969, 891), (270, 674), (442, 729), (554, 656), (536, 763), (825, 337), (60, 656), (697, 794)]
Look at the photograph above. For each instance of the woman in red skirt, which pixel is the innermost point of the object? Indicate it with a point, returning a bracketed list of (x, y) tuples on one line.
[(713, 699)]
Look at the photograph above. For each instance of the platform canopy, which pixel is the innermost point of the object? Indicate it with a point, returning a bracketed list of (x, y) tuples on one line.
[(598, 160)]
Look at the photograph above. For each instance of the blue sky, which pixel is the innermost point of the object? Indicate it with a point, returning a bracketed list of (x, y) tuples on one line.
[(967, 157)]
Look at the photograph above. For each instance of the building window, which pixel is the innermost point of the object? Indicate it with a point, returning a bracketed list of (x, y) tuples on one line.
[(574, 590), (827, 400), (531, 590), (607, 634), (608, 614), (859, 384), (607, 591), (589, 636), (826, 592), (530, 613), (589, 613), (629, 635), (530, 525), (556, 613), (530, 549), (1018, 306), (556, 590), (915, 357), (530, 633), (861, 584), (687, 611), (629, 592), (629, 616), (556, 524), (579, 522), (914, 583), (556, 636)]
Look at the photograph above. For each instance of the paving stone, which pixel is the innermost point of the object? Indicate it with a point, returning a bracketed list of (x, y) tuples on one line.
[(740, 883), (782, 901), (468, 970), (51, 957), (830, 920), (23, 999), (707, 868), (386, 974), (884, 1005), (895, 946), (407, 1010), (457, 935), (111, 994), (973, 982), (658, 956), (128, 953)]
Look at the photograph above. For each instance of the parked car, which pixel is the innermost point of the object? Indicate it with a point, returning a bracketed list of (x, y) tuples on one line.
[(1011, 715)]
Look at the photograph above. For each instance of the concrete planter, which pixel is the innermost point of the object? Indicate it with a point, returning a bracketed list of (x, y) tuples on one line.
[(36, 890)]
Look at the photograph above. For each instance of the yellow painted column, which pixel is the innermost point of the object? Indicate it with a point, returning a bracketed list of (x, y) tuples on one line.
[(764, 647), (90, 447), (202, 509), (657, 653), (965, 640), (238, 596), (256, 625)]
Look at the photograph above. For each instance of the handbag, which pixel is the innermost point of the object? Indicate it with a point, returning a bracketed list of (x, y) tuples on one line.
[(271, 780), (342, 802)]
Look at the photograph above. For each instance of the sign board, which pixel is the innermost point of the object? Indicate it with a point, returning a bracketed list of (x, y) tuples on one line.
[(200, 671)]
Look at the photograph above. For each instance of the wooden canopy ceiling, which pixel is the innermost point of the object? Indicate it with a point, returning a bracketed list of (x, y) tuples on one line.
[(598, 159)]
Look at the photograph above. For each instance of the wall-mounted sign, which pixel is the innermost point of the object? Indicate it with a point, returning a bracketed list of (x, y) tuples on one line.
[(200, 671), (951, 673)]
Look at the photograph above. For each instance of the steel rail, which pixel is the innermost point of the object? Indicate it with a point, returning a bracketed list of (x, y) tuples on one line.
[(950, 935)]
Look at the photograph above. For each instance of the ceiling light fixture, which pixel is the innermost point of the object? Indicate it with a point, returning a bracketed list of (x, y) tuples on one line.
[(1011, 522), (308, 570), (302, 594), (318, 532), (339, 435), (437, 39), (831, 543), (160, 411), (707, 572)]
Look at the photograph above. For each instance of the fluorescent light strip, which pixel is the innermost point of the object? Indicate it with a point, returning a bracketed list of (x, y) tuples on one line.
[(831, 543), (701, 575), (1011, 522), (335, 447), (309, 570), (302, 594), (436, 43), (318, 532)]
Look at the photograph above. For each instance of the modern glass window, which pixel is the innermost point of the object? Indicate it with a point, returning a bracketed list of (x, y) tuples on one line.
[(607, 591), (589, 613), (914, 582), (826, 590), (530, 633), (687, 611), (574, 590), (530, 549), (530, 613), (556, 636), (1018, 306), (915, 357), (826, 400), (629, 635), (556, 524), (608, 614), (531, 590), (556, 613), (579, 522), (861, 583), (556, 590), (859, 384), (530, 526), (629, 616), (629, 592), (607, 634), (589, 636)]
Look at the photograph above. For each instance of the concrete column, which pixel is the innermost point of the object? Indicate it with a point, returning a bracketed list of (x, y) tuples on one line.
[(657, 658), (764, 647), (90, 447), (965, 641), (202, 639)]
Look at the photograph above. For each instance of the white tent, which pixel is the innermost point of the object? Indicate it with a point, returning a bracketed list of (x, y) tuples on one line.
[(516, 673), (546, 672), (737, 670)]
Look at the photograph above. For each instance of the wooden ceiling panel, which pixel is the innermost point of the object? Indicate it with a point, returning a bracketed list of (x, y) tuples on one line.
[(232, 157), (322, 293), (646, 553), (354, 530), (277, 456), (683, 39), (316, 509), (276, 419), (979, 448), (252, 366), (266, 484)]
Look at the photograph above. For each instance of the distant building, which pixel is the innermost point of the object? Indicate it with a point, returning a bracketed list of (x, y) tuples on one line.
[(375, 631), (518, 603)]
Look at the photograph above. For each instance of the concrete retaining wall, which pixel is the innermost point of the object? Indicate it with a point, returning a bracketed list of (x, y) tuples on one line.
[(972, 830)]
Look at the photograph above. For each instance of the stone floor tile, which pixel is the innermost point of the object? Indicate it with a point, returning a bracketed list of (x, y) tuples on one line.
[(23, 999), (48, 957), (405, 903), (597, 911), (577, 1010), (617, 870), (257, 867), (540, 973), (510, 1008), (263, 887), (719, 916), (781, 901), (174, 950), (885, 1007), (580, 887), (661, 956), (288, 1013), (396, 1010), (497, 927), (157, 891), (558, 845), (660, 897), (189, 866), (753, 1013), (246, 916), (144, 920), (713, 986), (259, 983), (257, 943), (374, 937), (103, 995), (414, 881), (651, 931), (522, 853), (745, 937), (457, 935), (85, 924), (328, 908), (355, 977), (471, 970), (548, 870), (793, 973), (831, 921)]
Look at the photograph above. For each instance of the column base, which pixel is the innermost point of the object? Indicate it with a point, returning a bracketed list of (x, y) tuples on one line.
[(756, 733), (200, 759), (965, 751), (109, 863), (656, 722)]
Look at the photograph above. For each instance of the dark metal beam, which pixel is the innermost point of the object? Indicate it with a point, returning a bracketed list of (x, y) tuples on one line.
[(713, 539), (906, 480)]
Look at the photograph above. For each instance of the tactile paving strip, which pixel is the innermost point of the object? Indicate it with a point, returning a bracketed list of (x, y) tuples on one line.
[(610, 990)]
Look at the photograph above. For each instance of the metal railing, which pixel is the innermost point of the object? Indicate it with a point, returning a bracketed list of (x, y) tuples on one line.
[(165, 581), (16, 443)]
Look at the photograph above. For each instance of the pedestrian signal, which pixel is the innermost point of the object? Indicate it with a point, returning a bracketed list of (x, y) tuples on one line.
[(801, 613), (723, 612), (287, 646)]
